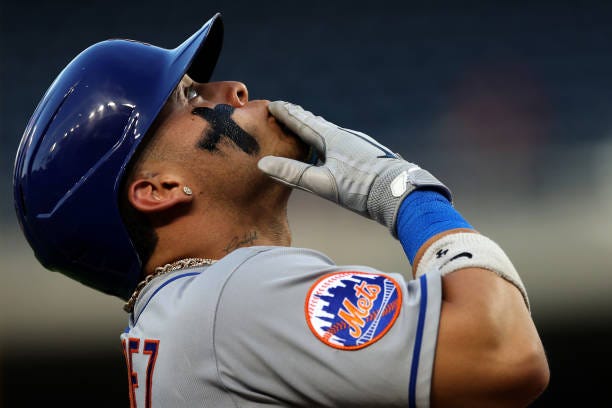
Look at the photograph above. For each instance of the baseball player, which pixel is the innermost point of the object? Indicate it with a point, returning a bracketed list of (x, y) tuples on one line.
[(141, 179)]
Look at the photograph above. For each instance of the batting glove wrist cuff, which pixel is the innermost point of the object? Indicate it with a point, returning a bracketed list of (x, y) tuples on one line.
[(393, 185)]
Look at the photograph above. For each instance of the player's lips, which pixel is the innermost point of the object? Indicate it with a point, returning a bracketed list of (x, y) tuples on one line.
[(281, 125), (285, 129), (308, 152)]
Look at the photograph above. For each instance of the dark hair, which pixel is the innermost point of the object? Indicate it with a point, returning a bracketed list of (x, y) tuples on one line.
[(141, 232), (139, 227)]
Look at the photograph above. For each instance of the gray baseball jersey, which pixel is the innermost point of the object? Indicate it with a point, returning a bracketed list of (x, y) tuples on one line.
[(283, 326)]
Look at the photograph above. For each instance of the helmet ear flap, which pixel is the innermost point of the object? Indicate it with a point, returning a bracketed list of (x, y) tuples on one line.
[(79, 144)]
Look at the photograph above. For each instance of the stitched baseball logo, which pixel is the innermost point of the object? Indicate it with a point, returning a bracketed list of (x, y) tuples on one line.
[(351, 310)]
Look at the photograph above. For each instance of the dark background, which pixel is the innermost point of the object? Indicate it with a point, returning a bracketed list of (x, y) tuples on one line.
[(521, 90)]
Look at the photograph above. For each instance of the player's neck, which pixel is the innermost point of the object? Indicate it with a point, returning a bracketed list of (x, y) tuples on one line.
[(219, 231)]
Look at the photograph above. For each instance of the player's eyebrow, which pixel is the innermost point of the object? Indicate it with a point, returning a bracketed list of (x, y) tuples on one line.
[(221, 124), (176, 94)]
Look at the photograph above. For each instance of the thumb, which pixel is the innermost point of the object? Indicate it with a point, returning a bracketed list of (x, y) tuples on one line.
[(314, 179), (287, 171)]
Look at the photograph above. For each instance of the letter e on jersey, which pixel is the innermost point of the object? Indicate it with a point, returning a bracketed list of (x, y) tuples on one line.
[(351, 310)]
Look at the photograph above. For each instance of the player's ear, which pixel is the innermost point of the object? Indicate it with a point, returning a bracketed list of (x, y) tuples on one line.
[(158, 193)]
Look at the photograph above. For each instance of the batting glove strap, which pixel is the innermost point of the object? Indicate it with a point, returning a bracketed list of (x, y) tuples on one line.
[(469, 250), (393, 185)]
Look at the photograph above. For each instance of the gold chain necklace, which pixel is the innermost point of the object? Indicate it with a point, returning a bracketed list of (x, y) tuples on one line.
[(161, 270)]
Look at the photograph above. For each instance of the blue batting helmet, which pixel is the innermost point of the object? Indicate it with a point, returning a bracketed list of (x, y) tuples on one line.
[(77, 146)]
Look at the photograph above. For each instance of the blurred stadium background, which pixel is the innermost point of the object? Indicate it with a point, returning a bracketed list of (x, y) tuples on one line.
[(509, 103)]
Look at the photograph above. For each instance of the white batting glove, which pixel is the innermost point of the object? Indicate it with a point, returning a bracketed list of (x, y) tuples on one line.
[(354, 170)]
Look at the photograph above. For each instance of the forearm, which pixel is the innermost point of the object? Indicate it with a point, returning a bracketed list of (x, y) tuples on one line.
[(488, 351)]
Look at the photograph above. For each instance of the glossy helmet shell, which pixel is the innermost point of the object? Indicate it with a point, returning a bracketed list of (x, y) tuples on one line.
[(78, 143)]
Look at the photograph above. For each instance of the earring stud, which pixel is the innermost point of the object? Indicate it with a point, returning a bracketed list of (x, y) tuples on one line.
[(187, 191)]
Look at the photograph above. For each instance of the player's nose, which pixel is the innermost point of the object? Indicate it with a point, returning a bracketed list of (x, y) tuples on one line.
[(231, 93)]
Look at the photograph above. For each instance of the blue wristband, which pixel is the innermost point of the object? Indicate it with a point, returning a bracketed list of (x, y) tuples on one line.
[(423, 214)]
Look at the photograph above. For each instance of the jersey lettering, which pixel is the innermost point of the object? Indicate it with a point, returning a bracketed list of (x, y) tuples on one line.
[(150, 348), (353, 315)]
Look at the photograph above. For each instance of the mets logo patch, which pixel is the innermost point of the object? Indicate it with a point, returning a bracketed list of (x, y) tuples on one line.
[(351, 310)]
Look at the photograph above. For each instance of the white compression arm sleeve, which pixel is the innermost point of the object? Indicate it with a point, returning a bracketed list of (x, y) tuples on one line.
[(469, 250)]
